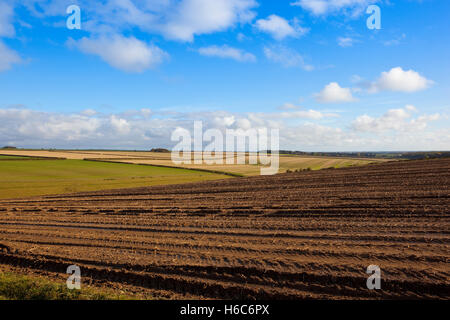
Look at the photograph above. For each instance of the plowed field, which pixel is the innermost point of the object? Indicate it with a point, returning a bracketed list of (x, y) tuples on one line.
[(289, 236)]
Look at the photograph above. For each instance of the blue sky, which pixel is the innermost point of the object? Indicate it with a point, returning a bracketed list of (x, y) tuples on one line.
[(139, 69)]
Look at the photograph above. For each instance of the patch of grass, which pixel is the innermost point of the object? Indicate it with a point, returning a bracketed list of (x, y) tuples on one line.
[(19, 287), (36, 177)]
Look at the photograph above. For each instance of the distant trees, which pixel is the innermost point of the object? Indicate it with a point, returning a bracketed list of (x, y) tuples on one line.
[(159, 150), (9, 147), (382, 155)]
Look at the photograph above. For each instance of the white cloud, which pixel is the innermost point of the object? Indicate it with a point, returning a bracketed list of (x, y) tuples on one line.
[(286, 57), (120, 125), (45, 8), (6, 17), (400, 80), (299, 129), (394, 119), (195, 17), (8, 57), (130, 129), (127, 54), (334, 93), (178, 20), (146, 113), (227, 121), (227, 52), (323, 7), (89, 112), (279, 28), (345, 41), (27, 124), (309, 114), (241, 37), (410, 108), (396, 41), (243, 124), (288, 107)]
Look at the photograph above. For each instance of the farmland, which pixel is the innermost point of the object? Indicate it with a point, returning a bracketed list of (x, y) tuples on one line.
[(287, 162), (30, 177), (301, 235)]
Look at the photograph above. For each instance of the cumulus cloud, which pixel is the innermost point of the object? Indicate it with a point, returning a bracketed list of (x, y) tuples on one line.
[(279, 28), (400, 80), (227, 121), (394, 119), (8, 57), (286, 57), (31, 125), (227, 52), (195, 17), (178, 20), (334, 93), (308, 114), (323, 7), (127, 54), (85, 129), (143, 129), (120, 125), (131, 129)]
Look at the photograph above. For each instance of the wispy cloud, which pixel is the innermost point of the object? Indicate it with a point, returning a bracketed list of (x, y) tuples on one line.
[(6, 20), (396, 41), (324, 7), (180, 20), (286, 57), (345, 41), (8, 57), (228, 53)]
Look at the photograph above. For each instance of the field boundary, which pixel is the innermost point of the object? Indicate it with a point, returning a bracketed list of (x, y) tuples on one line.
[(27, 157)]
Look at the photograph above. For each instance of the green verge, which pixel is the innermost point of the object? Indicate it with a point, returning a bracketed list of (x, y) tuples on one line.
[(20, 179), (19, 287)]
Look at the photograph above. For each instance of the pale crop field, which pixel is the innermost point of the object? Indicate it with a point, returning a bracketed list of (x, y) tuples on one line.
[(286, 162)]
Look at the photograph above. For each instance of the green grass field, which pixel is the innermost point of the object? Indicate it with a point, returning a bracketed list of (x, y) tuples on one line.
[(20, 179)]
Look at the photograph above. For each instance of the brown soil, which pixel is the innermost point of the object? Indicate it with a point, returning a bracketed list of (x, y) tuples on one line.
[(288, 236)]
